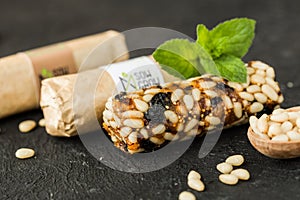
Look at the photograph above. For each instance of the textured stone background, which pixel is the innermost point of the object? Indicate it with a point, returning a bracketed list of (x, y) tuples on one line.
[(63, 169)]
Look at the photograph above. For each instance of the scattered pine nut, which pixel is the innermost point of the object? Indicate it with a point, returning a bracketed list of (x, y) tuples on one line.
[(224, 168), (242, 174), (235, 160), (27, 126), (228, 179), (185, 195), (42, 122), (24, 153), (193, 175), (196, 184)]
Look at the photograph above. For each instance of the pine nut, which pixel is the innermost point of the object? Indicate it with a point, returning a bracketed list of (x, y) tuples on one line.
[(281, 138), (274, 129), (228, 179), (132, 114), (117, 120), (176, 95), (264, 136), (192, 132), (196, 184), (259, 65), (156, 140), (196, 94), (210, 93), (113, 124), (280, 99), (253, 121), (256, 107), (224, 168), (125, 131), (242, 174), (213, 120), (273, 84), (260, 97), (141, 105), (159, 129), (144, 133), (207, 102), (108, 114), (293, 117), (286, 126), (168, 136), (247, 96), (282, 117), (261, 72), (207, 84), (236, 86), (250, 70), (188, 101), (293, 135), (235, 160), (147, 97), (27, 126), (185, 195), (257, 79), (108, 105), (278, 111), (114, 138), (227, 102), (42, 122), (245, 103), (179, 127), (170, 115), (262, 123), (133, 137), (237, 109), (270, 92), (253, 89), (194, 175), (245, 85), (24, 153), (190, 125), (270, 72), (134, 123), (152, 91)]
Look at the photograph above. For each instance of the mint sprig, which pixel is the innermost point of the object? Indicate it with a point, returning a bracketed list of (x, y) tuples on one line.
[(217, 51), (187, 58)]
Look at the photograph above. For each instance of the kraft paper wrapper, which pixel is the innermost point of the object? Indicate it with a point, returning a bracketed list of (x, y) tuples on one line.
[(19, 83), (57, 101)]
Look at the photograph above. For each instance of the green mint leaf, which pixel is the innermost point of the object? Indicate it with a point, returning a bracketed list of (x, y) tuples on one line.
[(232, 68), (232, 37), (187, 58), (203, 37)]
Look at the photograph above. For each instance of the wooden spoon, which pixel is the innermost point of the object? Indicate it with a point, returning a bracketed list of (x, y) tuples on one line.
[(275, 149)]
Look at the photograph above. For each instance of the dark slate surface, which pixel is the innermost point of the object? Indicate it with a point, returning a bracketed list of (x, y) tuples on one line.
[(63, 169)]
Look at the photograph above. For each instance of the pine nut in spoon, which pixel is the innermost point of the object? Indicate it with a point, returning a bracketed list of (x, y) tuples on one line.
[(281, 145)]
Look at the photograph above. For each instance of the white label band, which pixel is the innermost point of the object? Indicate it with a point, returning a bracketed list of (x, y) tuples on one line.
[(135, 74)]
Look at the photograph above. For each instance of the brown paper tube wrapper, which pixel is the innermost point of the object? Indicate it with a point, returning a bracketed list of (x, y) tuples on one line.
[(58, 95), (20, 74)]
